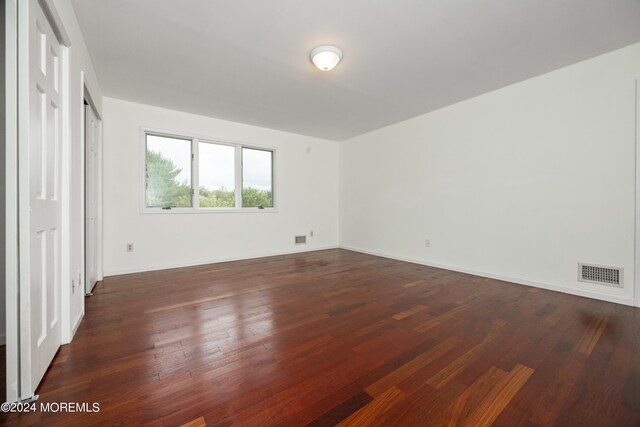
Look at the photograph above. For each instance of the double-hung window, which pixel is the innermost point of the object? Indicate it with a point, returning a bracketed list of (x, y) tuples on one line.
[(184, 174)]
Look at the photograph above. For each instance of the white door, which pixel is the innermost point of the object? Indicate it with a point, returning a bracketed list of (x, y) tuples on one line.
[(91, 198), (44, 176)]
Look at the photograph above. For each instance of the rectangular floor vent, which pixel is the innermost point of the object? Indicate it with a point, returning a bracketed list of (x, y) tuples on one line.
[(600, 275), (301, 240)]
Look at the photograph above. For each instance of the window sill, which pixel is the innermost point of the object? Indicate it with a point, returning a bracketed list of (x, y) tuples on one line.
[(181, 211)]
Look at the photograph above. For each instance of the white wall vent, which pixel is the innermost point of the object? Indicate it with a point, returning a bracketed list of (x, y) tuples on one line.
[(301, 240), (601, 275)]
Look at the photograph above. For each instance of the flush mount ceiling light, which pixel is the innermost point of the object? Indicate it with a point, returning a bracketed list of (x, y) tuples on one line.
[(326, 57)]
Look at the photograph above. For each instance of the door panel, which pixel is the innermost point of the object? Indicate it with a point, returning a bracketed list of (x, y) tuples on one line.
[(44, 205), (91, 198)]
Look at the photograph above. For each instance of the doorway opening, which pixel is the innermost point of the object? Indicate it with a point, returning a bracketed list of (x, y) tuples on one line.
[(92, 197)]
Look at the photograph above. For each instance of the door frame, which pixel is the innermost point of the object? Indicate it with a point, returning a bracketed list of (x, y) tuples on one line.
[(636, 292), (89, 96), (23, 201), (11, 200)]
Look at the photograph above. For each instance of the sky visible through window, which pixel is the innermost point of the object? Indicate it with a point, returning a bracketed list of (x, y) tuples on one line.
[(216, 163), (176, 150), (217, 166), (217, 169), (256, 169)]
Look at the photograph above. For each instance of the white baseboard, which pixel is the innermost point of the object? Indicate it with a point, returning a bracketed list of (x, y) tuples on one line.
[(76, 325), (548, 286), (120, 272)]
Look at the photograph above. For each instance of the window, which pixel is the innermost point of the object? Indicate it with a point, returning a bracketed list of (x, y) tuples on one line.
[(217, 176), (168, 172), (187, 174), (257, 166)]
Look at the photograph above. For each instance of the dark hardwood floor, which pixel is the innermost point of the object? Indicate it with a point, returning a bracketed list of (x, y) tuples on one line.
[(338, 337), (3, 373)]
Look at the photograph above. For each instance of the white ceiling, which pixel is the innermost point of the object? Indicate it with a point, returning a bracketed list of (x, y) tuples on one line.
[(247, 60)]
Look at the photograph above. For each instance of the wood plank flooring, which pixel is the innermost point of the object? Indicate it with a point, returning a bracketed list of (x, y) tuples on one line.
[(341, 338), (3, 373)]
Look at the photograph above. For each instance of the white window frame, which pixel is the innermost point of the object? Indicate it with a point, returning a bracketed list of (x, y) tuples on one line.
[(195, 176)]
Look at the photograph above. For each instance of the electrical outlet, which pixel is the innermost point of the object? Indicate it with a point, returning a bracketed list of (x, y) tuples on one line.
[(427, 243), (129, 247), (311, 233)]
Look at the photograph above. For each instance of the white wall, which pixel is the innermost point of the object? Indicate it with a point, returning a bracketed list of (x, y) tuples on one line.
[(521, 183), (80, 70), (306, 193)]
